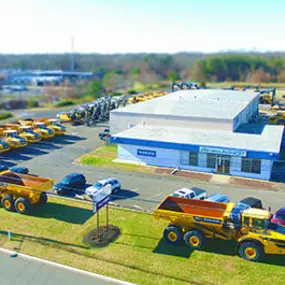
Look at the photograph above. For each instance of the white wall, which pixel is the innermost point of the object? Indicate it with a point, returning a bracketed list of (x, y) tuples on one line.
[(120, 122), (177, 158)]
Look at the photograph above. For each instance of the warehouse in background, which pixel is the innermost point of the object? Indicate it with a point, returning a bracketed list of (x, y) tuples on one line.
[(200, 130)]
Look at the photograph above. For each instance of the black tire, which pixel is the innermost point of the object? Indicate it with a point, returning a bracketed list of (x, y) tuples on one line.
[(194, 239), (281, 122), (7, 203), (116, 190), (251, 251), (22, 205), (173, 235), (43, 198)]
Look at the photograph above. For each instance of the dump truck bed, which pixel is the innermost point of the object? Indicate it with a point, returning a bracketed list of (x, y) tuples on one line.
[(27, 181), (175, 206)]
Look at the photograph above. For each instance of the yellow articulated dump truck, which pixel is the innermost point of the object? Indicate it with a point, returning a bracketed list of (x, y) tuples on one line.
[(20, 191), (55, 125), (38, 127), (195, 221), (25, 132), (12, 138), (4, 146)]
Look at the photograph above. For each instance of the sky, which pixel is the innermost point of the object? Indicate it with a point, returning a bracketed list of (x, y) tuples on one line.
[(134, 26)]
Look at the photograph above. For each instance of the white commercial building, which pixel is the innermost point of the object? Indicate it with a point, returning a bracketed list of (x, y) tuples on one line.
[(198, 130)]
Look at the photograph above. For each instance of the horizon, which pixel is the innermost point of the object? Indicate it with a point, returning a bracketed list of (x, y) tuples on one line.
[(134, 27)]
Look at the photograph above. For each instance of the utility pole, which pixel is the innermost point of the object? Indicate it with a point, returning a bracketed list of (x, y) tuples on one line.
[(72, 54)]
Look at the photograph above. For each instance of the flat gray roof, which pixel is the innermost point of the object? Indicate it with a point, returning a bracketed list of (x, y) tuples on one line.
[(268, 141), (212, 103)]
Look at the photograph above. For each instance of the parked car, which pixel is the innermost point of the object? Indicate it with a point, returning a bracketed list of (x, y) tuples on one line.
[(191, 193), (105, 134), (16, 169), (115, 186), (218, 198), (251, 202), (74, 183), (279, 217)]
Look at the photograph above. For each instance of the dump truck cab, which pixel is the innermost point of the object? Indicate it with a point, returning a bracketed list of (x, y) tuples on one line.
[(13, 139), (45, 132), (55, 125), (4, 146)]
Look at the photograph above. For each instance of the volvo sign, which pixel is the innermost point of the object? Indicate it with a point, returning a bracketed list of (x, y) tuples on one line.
[(146, 152)]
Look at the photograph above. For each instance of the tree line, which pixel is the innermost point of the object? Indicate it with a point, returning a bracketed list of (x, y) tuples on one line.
[(152, 68)]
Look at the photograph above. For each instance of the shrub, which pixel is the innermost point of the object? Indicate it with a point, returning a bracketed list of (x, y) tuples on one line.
[(16, 104), (65, 103), (5, 115), (117, 93), (132, 92), (33, 103)]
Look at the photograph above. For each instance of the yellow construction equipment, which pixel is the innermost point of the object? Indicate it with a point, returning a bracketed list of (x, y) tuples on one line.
[(38, 127), (55, 125), (4, 147), (147, 96), (277, 119), (12, 138), (20, 191), (194, 221)]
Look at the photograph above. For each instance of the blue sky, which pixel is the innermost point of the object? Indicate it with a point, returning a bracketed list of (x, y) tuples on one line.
[(119, 26)]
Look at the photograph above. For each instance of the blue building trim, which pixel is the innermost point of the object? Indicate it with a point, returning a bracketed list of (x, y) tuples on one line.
[(190, 147)]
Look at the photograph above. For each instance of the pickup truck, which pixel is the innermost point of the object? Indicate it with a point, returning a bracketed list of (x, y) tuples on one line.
[(105, 134), (191, 193)]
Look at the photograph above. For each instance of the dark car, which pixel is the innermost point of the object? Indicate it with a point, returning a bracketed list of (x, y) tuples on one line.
[(252, 202), (74, 183), (279, 217), (105, 134)]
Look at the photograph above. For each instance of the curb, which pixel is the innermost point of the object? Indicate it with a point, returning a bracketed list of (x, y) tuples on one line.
[(80, 271)]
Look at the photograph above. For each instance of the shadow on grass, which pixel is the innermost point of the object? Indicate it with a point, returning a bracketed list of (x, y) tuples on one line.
[(124, 194), (69, 214)]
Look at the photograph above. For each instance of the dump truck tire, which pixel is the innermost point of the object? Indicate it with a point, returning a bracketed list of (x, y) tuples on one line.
[(251, 251), (194, 239), (173, 235), (7, 202), (22, 205), (43, 198)]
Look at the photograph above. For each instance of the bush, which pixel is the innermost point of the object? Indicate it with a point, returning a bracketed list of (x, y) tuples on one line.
[(117, 93), (65, 103), (132, 92), (33, 103), (5, 115), (16, 104)]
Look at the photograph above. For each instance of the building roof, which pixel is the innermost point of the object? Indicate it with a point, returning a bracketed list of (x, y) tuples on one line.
[(203, 103), (269, 141)]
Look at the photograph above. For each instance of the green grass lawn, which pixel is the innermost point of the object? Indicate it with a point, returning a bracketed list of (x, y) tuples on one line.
[(56, 231), (104, 156)]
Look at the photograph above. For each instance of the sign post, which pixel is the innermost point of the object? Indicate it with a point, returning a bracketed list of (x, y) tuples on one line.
[(100, 199)]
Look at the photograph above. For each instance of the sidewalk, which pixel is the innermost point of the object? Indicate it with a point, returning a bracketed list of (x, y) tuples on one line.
[(224, 179)]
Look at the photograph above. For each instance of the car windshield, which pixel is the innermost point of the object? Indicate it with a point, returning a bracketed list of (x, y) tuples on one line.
[(42, 126), (175, 195), (66, 180), (12, 135), (98, 185)]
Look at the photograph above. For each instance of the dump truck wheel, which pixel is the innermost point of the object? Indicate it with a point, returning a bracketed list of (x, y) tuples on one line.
[(43, 198), (22, 205), (281, 122), (7, 202), (194, 239), (173, 235), (251, 251)]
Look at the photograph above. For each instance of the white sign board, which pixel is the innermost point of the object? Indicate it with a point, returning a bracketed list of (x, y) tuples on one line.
[(101, 198), (220, 151)]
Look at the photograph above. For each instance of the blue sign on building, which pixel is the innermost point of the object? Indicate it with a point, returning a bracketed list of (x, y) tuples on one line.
[(145, 152), (102, 203)]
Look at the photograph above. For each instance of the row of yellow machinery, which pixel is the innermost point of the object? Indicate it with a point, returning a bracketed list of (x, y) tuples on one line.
[(19, 134), (146, 96), (196, 221)]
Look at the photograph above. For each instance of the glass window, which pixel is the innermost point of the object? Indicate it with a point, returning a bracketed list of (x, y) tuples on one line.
[(259, 224), (193, 158), (251, 165), (246, 221), (211, 161)]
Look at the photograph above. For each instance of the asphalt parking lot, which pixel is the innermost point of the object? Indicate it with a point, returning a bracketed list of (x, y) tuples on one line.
[(55, 159)]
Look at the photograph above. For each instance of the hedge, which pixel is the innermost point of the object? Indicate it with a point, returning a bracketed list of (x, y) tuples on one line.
[(5, 115), (65, 103)]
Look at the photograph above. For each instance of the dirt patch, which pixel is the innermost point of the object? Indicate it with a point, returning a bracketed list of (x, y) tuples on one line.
[(105, 237), (255, 183)]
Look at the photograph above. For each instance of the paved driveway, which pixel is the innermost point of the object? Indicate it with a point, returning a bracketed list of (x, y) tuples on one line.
[(18, 270), (55, 158)]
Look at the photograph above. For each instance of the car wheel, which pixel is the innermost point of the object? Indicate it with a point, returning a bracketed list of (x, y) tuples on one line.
[(116, 190)]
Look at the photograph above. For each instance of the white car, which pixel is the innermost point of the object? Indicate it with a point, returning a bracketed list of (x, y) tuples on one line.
[(115, 186), (191, 193)]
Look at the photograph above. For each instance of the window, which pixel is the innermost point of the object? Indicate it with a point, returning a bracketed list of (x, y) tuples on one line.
[(193, 158), (211, 161), (251, 165), (258, 224), (246, 221)]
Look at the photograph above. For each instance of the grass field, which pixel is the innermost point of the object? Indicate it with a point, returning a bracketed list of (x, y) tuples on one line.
[(104, 156), (55, 232)]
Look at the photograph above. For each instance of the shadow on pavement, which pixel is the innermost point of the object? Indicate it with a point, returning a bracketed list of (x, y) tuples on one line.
[(69, 214), (73, 138), (15, 155), (32, 150), (124, 194)]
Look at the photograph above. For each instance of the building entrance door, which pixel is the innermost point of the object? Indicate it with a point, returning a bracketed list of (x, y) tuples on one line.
[(223, 164)]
